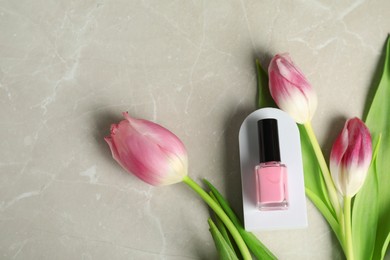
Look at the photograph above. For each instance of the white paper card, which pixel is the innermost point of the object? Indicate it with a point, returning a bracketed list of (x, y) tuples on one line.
[(290, 152)]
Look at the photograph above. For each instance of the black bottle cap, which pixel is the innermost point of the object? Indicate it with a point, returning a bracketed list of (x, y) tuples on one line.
[(268, 140)]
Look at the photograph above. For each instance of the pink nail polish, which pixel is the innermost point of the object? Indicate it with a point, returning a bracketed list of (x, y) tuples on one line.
[(271, 174)]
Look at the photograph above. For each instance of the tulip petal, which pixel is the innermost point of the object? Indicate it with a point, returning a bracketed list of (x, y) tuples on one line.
[(149, 151), (160, 135), (290, 72), (290, 89), (113, 149), (350, 157)]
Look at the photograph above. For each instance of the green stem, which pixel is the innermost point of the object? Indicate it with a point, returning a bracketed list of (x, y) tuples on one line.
[(220, 225), (348, 228), (222, 215), (341, 221), (324, 168)]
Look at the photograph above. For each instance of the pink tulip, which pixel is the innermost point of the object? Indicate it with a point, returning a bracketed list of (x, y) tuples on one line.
[(148, 150), (290, 89), (350, 157), (158, 157)]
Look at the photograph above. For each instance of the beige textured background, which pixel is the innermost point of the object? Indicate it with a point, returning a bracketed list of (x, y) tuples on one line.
[(69, 68)]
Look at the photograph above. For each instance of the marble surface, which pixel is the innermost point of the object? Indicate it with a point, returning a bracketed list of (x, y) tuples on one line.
[(69, 68)]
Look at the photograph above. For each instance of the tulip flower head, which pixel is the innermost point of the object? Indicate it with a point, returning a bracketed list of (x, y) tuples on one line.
[(290, 89), (350, 157), (148, 150)]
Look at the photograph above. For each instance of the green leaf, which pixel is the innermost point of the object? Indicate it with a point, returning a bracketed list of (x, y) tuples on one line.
[(255, 246), (365, 214), (224, 250), (315, 185), (264, 98), (378, 121), (385, 245), (220, 225), (314, 180), (323, 208)]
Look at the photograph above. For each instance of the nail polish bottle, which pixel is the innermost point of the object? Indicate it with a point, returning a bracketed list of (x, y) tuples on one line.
[(271, 174)]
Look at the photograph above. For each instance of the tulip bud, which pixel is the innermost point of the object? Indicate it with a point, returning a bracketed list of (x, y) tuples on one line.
[(350, 157), (290, 89), (148, 150)]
